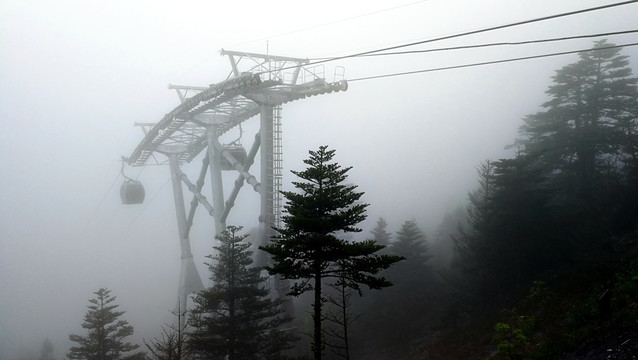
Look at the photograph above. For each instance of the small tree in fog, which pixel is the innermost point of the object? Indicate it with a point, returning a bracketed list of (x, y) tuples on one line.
[(172, 344), (340, 319), (236, 319), (310, 247), (415, 287), (106, 332), (46, 352), (380, 234), (414, 274)]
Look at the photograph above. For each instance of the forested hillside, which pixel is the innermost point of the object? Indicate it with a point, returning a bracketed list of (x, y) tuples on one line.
[(544, 263)]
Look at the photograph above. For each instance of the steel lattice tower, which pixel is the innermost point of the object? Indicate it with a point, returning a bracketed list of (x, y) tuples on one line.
[(257, 85)]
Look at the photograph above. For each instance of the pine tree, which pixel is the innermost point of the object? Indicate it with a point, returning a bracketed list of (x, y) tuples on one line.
[(470, 248), (471, 262), (522, 234), (512, 232), (569, 184), (46, 352), (308, 249), (380, 234), (235, 319), (106, 332), (415, 286), (586, 140), (411, 244), (442, 248)]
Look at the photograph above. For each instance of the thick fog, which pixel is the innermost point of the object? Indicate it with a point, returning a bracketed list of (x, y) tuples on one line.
[(76, 75)]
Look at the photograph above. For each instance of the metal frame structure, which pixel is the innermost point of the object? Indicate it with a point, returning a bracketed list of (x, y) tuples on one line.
[(258, 85)]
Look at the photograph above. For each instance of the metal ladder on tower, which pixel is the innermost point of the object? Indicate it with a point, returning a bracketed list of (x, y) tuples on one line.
[(277, 164)]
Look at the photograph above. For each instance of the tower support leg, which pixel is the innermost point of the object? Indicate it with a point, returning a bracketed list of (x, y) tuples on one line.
[(215, 157), (189, 279)]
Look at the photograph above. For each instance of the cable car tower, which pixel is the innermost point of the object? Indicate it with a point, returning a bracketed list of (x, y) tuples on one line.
[(257, 85)]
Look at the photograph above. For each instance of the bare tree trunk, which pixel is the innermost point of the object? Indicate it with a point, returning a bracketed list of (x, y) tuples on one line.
[(317, 343)]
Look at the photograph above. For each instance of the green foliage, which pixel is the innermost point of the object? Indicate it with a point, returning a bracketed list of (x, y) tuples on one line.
[(106, 332), (511, 343), (308, 246), (586, 318), (532, 329), (309, 249), (236, 317), (581, 321), (545, 325)]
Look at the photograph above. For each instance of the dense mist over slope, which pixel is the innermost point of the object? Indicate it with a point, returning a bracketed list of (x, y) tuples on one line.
[(77, 75)]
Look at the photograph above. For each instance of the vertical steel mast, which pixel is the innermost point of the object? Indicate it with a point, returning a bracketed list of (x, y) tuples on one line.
[(257, 85)]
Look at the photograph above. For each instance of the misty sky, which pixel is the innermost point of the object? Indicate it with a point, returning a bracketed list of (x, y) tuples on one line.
[(75, 76)]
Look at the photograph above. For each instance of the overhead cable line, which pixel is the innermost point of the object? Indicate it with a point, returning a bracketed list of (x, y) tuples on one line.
[(466, 33), (86, 225), (489, 62), (306, 29), (507, 43)]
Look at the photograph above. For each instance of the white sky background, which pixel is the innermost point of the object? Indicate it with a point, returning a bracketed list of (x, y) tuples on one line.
[(76, 75)]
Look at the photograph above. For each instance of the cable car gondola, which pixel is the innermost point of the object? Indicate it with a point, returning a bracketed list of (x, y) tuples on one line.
[(132, 192), (238, 152)]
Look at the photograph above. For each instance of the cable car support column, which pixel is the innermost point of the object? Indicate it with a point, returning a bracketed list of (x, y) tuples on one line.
[(270, 133), (189, 279), (214, 155)]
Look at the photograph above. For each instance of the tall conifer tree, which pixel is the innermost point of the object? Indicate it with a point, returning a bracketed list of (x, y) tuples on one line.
[(586, 140), (415, 288), (236, 319), (309, 249), (569, 185)]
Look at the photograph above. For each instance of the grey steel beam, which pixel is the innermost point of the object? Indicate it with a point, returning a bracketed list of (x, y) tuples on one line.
[(217, 185), (239, 182), (189, 279)]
